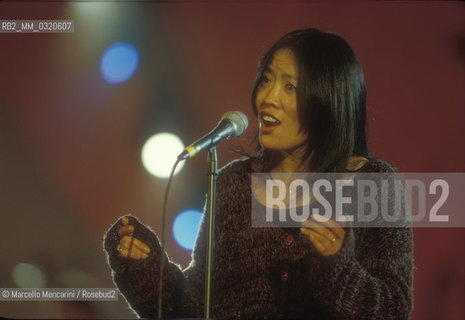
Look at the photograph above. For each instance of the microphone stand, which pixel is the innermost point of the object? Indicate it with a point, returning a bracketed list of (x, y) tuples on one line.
[(212, 172)]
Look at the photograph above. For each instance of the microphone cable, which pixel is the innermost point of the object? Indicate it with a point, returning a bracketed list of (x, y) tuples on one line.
[(163, 222)]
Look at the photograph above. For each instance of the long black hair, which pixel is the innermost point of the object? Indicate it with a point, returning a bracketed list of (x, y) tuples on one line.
[(331, 97)]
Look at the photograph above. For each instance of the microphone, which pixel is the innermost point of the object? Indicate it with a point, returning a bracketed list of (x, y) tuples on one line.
[(231, 125)]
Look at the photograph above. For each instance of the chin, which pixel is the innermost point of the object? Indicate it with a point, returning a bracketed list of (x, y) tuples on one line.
[(267, 143)]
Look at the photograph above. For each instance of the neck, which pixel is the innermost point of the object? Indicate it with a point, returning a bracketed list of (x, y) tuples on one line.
[(291, 161)]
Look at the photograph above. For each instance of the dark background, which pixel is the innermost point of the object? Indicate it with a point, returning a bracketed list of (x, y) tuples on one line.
[(70, 142)]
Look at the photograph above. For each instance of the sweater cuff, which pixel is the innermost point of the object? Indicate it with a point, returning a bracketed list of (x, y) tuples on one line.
[(111, 241)]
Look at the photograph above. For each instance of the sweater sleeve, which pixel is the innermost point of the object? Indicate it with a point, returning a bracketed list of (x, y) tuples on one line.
[(370, 277), (183, 291), (138, 281), (376, 286)]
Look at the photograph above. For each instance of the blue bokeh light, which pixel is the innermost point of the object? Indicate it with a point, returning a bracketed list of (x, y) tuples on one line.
[(186, 226), (119, 62)]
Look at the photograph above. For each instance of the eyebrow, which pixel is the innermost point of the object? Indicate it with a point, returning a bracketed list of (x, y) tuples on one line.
[(285, 75)]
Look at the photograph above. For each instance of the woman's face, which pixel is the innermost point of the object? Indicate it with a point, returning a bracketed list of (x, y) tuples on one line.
[(276, 102)]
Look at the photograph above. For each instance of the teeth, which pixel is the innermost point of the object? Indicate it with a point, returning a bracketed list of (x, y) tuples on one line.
[(269, 120)]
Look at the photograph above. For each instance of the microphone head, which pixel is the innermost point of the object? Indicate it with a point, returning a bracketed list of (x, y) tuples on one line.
[(238, 119)]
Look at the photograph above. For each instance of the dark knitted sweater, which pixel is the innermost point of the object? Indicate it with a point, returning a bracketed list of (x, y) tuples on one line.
[(271, 272)]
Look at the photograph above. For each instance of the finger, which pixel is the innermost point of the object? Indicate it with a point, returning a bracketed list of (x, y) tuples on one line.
[(125, 221), (338, 231), (134, 254), (333, 226), (316, 242), (321, 229), (141, 246), (325, 243), (137, 254), (125, 230), (125, 243), (131, 245), (339, 221)]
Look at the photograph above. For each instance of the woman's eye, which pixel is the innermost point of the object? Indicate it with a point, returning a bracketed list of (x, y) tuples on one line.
[(290, 86), (265, 79)]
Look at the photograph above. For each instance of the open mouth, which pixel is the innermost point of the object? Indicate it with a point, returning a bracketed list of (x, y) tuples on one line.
[(268, 120)]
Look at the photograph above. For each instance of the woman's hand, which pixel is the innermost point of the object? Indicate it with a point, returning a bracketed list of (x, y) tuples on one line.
[(129, 246), (326, 235)]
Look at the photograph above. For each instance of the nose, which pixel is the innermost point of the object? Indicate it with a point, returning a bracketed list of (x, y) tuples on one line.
[(271, 95)]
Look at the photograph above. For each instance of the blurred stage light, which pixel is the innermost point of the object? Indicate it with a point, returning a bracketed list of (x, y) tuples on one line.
[(74, 278), (119, 62), (27, 275), (94, 9), (186, 227), (159, 154)]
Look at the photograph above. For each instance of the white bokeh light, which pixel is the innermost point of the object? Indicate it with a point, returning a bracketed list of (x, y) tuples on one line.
[(27, 275), (159, 154)]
